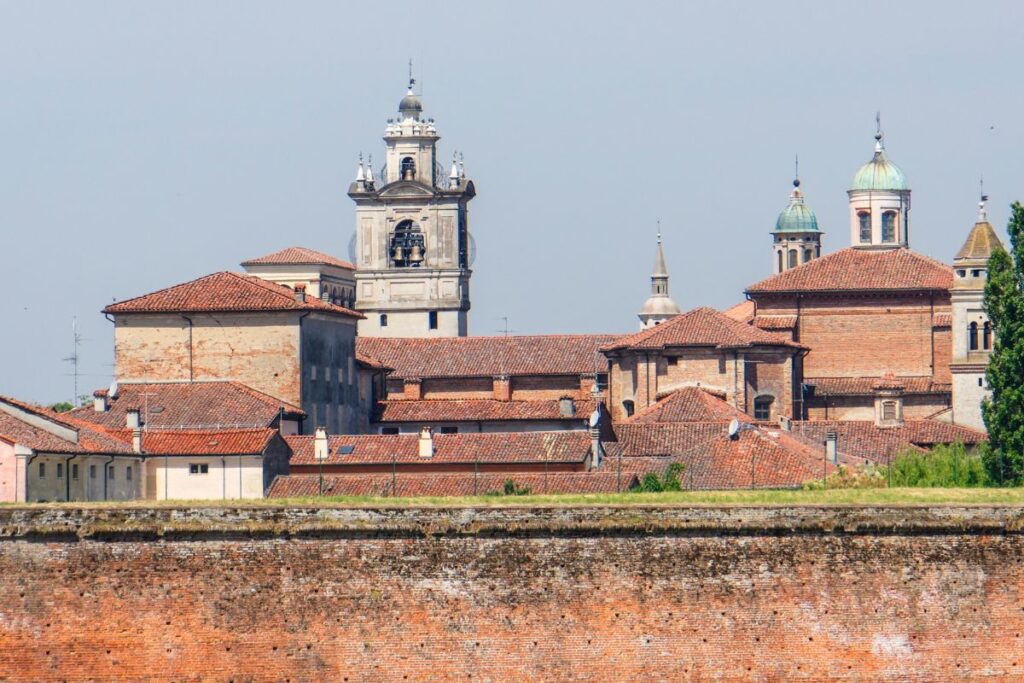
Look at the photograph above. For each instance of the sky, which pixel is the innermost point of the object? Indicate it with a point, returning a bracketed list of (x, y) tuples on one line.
[(144, 144)]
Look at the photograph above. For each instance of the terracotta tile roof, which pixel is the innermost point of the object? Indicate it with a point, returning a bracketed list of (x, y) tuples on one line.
[(477, 410), (865, 386), (665, 438), (759, 458), (90, 439), (225, 292), (689, 404), (202, 442), (193, 405), (980, 244), (370, 362), (700, 327), (742, 312), (942, 320), (861, 439), (570, 446), (775, 322), (853, 269), (299, 256), (488, 356), (447, 484)]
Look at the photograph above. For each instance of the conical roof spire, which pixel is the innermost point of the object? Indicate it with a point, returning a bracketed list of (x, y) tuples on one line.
[(659, 305), (659, 260)]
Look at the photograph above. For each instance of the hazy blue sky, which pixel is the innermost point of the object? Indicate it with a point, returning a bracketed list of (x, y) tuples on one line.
[(144, 144)]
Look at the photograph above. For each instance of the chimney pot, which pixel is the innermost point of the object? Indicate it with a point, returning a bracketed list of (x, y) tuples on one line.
[(132, 419), (321, 447), (300, 293), (831, 447), (426, 443), (99, 400)]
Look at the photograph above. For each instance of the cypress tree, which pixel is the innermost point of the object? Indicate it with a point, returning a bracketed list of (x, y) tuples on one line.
[(1004, 411)]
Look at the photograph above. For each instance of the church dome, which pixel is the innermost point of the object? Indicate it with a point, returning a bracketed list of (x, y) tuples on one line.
[(797, 217), (659, 305), (879, 173), (410, 103)]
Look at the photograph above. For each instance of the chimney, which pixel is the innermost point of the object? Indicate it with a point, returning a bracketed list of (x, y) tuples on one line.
[(501, 388), (785, 423), (300, 293), (320, 445), (832, 447), (566, 407), (135, 424), (426, 443), (412, 388), (99, 401)]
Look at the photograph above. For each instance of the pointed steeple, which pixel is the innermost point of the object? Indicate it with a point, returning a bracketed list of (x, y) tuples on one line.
[(659, 306)]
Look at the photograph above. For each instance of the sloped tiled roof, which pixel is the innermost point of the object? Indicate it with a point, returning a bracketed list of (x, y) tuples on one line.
[(300, 256), (225, 292), (862, 439), (477, 410), (865, 386), (689, 404), (700, 327), (204, 442), (742, 312), (90, 439), (665, 438), (757, 458), (570, 446), (448, 484), (488, 356), (195, 405), (980, 244), (942, 320), (854, 269), (775, 322)]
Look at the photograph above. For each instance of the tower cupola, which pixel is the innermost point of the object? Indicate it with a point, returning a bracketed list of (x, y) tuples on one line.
[(659, 306), (796, 238), (879, 202)]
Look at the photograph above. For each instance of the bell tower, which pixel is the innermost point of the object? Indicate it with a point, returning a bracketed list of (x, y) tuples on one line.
[(411, 245)]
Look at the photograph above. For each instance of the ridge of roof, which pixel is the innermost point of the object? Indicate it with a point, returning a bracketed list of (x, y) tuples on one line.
[(981, 241), (703, 326), (298, 256), (206, 294), (856, 269)]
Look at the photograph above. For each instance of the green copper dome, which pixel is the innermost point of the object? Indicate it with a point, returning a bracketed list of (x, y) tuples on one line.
[(879, 174), (797, 217)]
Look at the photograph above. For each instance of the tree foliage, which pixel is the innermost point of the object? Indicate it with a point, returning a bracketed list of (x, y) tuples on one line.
[(669, 481), (1004, 411), (945, 466)]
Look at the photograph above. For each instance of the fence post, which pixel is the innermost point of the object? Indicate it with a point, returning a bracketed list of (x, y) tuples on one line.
[(394, 482), (476, 470)]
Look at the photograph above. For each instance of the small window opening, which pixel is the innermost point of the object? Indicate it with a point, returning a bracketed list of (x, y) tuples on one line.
[(793, 258), (198, 468), (864, 218), (808, 255), (128, 473), (60, 470), (389, 430), (110, 473), (780, 261), (889, 226), (449, 430), (42, 470), (972, 336), (408, 247), (432, 320), (92, 471), (986, 336), (961, 273), (763, 407), (889, 410), (629, 407), (408, 169), (383, 319), (74, 471), (672, 360), (981, 382)]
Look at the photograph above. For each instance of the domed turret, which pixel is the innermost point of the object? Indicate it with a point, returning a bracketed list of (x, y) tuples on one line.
[(879, 173), (879, 202), (796, 238)]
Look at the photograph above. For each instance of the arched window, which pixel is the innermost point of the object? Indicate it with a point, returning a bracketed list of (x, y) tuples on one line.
[(763, 407), (972, 336), (889, 226), (986, 336), (407, 245), (793, 258), (408, 169), (864, 218), (383, 319), (808, 255), (780, 262), (627, 405)]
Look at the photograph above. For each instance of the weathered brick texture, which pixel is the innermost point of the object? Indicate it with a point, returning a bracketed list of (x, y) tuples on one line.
[(512, 594)]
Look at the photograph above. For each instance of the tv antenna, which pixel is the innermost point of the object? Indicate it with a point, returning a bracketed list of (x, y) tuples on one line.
[(76, 340)]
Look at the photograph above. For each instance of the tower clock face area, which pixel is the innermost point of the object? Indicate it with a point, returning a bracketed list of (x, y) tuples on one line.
[(411, 245)]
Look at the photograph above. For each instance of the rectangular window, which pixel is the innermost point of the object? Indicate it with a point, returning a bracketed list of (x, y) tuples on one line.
[(432, 320), (383, 319), (889, 410), (389, 430), (92, 471), (449, 430), (672, 360), (110, 473), (74, 471), (198, 468), (42, 470), (128, 473), (864, 220), (60, 470)]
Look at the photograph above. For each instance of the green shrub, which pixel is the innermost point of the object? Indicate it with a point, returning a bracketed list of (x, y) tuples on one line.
[(510, 489), (850, 478), (944, 466), (669, 481)]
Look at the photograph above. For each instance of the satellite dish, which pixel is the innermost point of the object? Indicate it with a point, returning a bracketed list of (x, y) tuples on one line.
[(595, 418), (112, 391), (734, 428)]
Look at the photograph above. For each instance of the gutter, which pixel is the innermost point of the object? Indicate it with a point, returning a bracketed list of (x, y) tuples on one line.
[(106, 475), (28, 463)]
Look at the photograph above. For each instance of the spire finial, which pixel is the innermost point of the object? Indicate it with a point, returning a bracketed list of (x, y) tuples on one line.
[(659, 232), (982, 201), (878, 131), (796, 171), (412, 81)]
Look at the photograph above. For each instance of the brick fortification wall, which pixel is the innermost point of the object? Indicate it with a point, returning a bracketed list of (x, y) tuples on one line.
[(607, 594)]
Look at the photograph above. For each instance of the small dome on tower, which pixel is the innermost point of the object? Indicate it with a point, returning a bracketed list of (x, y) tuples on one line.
[(797, 217), (410, 104), (879, 173)]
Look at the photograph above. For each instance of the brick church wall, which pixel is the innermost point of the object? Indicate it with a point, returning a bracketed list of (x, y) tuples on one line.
[(512, 594)]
